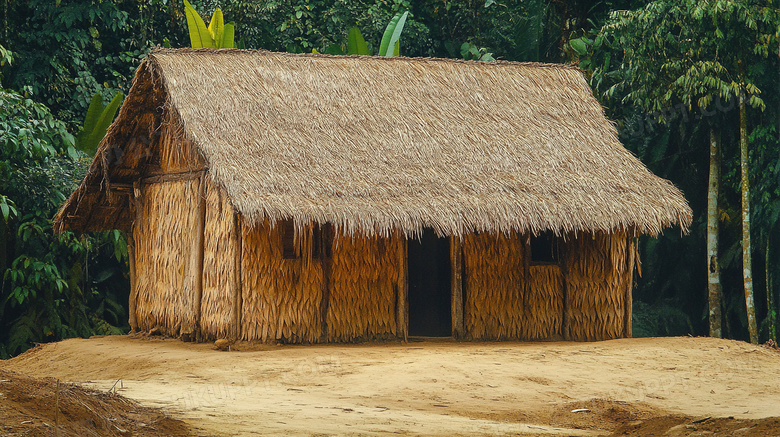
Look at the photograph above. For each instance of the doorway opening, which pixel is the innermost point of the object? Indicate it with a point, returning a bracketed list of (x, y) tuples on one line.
[(430, 291)]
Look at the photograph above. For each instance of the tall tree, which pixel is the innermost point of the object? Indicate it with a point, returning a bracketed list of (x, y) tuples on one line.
[(677, 55)]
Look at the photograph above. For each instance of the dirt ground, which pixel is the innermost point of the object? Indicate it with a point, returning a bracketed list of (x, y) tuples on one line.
[(34, 407), (630, 387)]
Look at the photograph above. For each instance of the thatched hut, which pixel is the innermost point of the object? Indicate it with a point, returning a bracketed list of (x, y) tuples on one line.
[(308, 198)]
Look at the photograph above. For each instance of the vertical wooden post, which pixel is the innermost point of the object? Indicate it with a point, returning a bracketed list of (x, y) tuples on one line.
[(628, 301), (238, 295), (563, 263), (402, 296), (132, 304), (327, 237), (137, 205), (200, 247), (456, 260), (526, 289)]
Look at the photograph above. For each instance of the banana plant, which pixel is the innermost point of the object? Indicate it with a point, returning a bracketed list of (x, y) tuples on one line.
[(391, 40), (356, 45), (218, 35), (96, 123)]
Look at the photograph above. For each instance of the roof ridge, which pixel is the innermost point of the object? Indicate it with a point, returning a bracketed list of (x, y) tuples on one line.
[(158, 50)]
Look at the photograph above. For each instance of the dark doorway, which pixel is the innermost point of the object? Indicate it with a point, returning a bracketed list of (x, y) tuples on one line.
[(430, 313)]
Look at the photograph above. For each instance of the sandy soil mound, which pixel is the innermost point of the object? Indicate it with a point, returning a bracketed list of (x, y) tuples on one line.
[(632, 387), (28, 406)]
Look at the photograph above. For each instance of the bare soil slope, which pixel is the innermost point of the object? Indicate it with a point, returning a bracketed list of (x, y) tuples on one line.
[(633, 387)]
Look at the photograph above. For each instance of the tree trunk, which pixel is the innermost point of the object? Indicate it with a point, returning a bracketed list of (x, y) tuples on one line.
[(747, 274), (713, 271)]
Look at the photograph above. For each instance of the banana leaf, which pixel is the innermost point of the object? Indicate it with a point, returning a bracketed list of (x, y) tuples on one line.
[(101, 125), (356, 45), (392, 36), (200, 37), (93, 114), (217, 28), (228, 39)]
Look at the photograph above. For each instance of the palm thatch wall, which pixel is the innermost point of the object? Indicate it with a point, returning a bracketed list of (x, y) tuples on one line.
[(165, 252), (363, 287), (598, 273), (219, 265), (494, 277), (281, 297)]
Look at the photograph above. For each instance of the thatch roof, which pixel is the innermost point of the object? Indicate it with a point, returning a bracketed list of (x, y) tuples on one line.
[(376, 144)]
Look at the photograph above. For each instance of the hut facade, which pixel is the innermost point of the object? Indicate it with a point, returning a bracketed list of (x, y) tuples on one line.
[(309, 198)]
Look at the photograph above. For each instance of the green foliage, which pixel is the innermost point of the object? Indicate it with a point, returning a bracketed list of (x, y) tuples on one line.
[(356, 45), (66, 50), (687, 52), (471, 52), (96, 123), (663, 319), (45, 293), (391, 39), (217, 35)]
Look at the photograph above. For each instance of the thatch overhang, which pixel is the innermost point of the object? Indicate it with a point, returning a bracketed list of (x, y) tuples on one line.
[(373, 145)]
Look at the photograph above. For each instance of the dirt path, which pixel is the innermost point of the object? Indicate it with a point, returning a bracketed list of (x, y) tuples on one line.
[(430, 388)]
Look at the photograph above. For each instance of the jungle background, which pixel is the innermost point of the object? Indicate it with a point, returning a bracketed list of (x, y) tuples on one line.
[(671, 74)]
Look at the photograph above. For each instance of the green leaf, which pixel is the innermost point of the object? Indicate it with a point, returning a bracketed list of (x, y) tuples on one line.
[(96, 108), (579, 46), (101, 127), (217, 28), (200, 37), (228, 39), (392, 35), (356, 45)]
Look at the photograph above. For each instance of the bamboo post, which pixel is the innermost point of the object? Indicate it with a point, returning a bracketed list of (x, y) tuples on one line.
[(402, 298), (456, 259), (237, 279), (628, 302), (133, 300), (200, 247)]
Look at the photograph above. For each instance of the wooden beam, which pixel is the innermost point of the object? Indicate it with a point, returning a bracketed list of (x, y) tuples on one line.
[(402, 293), (200, 248), (628, 330), (174, 177), (238, 295), (151, 178), (456, 261)]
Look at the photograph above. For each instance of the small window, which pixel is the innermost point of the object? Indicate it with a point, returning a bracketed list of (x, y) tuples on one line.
[(287, 236), (544, 248)]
